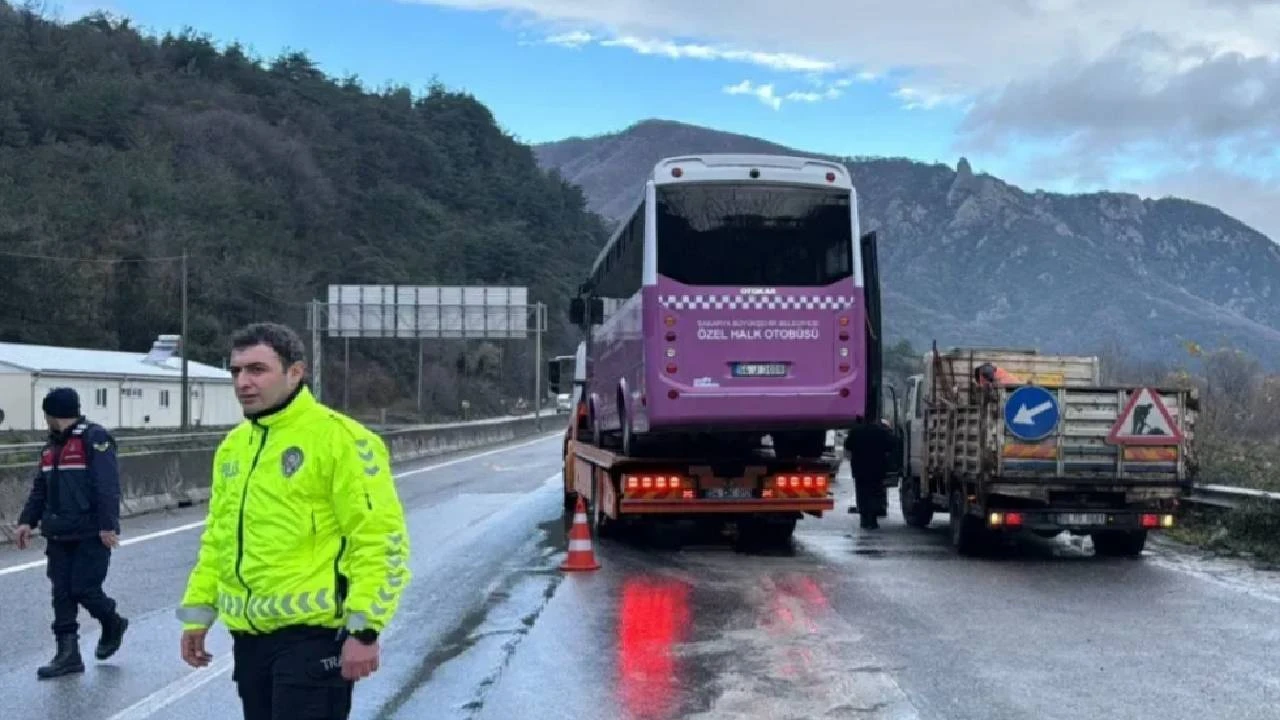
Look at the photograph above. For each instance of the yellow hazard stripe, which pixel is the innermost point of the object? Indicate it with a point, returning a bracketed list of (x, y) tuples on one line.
[(1151, 454), (1038, 451)]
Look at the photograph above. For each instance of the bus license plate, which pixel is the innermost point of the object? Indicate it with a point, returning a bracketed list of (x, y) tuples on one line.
[(733, 493), (1082, 519), (750, 369)]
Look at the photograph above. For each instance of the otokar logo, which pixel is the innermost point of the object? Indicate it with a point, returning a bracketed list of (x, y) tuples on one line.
[(758, 291)]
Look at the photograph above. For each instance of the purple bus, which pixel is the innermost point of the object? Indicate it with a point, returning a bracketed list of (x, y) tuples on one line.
[(738, 300)]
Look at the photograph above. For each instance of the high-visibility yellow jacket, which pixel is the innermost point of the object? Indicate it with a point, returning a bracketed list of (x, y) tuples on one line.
[(304, 527)]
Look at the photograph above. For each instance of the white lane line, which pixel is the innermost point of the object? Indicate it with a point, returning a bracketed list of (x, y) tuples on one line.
[(178, 689), (193, 525)]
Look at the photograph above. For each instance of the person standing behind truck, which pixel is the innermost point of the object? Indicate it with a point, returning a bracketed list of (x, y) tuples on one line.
[(868, 443)]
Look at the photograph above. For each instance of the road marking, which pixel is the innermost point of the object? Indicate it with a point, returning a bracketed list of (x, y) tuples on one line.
[(178, 689), (200, 523)]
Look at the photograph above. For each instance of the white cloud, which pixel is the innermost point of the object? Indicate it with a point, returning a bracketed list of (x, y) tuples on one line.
[(571, 39), (775, 61), (763, 93), (1093, 84), (923, 99), (768, 95)]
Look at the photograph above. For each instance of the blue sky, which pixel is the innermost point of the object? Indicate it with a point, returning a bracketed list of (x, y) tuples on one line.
[(1073, 96)]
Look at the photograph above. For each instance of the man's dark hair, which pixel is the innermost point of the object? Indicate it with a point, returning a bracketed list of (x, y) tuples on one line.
[(280, 338)]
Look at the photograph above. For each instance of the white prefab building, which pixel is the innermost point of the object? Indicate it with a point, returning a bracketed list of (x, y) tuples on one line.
[(117, 389)]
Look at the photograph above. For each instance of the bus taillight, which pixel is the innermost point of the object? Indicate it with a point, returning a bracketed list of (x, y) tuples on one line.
[(831, 177), (671, 369)]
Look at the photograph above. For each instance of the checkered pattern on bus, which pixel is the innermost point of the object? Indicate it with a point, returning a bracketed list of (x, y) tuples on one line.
[(755, 302)]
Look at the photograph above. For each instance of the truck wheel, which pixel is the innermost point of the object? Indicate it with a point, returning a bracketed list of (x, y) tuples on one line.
[(601, 525), (628, 439), (1119, 543), (968, 536), (917, 512)]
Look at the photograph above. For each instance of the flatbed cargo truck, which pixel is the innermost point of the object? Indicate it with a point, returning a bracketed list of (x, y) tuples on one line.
[(1053, 449), (760, 494)]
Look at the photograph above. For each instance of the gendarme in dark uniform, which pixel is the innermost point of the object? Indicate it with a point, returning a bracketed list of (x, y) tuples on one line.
[(75, 501), (869, 444)]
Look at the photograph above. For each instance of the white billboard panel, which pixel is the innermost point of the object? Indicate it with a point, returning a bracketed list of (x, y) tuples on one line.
[(419, 311)]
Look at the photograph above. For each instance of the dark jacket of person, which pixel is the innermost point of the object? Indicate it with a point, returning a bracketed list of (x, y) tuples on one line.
[(76, 493), (870, 446)]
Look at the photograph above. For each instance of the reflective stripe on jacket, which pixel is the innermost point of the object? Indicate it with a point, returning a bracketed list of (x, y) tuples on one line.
[(304, 527)]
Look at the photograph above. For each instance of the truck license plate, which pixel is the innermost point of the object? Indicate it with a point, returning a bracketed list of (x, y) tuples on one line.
[(1082, 519), (758, 369), (733, 493)]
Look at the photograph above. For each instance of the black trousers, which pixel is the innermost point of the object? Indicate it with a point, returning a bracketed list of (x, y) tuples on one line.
[(77, 569), (868, 486), (292, 674)]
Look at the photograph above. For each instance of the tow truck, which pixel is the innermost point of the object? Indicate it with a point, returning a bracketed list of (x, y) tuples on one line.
[(761, 495)]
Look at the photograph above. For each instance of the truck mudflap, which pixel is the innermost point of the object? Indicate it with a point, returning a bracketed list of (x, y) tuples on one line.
[(1089, 520)]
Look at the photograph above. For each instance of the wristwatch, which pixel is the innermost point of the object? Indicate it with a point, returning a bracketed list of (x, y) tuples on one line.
[(367, 636)]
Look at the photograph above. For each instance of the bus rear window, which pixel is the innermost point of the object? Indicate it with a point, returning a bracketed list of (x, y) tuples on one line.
[(758, 235)]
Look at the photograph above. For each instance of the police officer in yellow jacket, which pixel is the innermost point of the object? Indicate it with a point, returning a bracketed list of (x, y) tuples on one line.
[(305, 553)]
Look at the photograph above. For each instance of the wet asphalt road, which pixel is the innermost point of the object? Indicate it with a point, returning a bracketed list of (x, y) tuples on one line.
[(845, 624)]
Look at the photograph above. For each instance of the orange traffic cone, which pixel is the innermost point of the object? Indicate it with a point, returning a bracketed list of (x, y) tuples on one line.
[(581, 556)]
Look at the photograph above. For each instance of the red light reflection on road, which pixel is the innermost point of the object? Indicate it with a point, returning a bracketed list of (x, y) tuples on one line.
[(793, 603), (652, 618)]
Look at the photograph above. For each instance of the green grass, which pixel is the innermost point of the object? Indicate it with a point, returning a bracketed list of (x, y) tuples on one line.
[(1252, 531), (1250, 464)]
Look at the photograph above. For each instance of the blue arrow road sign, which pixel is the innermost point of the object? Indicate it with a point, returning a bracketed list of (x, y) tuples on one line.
[(1031, 413)]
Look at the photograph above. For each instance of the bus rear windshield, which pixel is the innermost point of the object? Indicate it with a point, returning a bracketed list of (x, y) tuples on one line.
[(759, 235)]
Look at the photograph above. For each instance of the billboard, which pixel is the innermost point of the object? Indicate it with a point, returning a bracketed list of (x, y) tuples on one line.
[(428, 311)]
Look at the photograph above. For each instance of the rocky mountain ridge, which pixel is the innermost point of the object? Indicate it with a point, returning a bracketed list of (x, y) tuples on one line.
[(970, 259)]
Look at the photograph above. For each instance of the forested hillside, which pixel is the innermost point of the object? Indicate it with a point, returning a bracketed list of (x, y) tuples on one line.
[(120, 151)]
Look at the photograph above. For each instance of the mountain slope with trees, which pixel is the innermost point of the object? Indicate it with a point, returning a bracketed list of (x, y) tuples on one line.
[(121, 151)]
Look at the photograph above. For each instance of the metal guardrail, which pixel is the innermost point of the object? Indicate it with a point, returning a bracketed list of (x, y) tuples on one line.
[(1226, 496), (212, 437)]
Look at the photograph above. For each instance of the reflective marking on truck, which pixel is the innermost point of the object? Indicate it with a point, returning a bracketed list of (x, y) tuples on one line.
[(1151, 454), (1036, 451)]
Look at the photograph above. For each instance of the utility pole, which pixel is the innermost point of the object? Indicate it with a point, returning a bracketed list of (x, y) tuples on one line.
[(421, 349), (539, 322), (186, 390), (346, 374), (317, 381)]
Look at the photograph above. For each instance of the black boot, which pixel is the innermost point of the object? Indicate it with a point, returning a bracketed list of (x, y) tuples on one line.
[(67, 660), (112, 635)]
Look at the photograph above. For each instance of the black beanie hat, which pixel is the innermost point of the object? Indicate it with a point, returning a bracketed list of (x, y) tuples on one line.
[(62, 402)]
